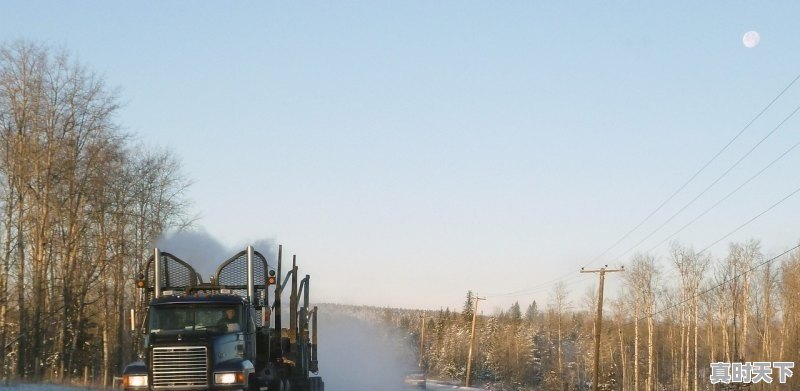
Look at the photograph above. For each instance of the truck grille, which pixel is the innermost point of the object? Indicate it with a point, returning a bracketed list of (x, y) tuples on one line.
[(180, 367)]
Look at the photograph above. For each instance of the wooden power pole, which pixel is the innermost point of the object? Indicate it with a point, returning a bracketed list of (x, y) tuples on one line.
[(599, 321), (422, 344), (472, 338)]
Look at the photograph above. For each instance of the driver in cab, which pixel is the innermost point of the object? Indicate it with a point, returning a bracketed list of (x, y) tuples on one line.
[(229, 321)]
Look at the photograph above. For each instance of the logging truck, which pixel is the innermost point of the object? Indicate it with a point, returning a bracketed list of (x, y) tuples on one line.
[(224, 334)]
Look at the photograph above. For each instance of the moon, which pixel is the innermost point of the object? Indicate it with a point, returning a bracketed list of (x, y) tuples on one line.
[(751, 39)]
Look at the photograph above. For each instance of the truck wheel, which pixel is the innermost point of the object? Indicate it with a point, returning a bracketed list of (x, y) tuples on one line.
[(253, 383), (277, 385)]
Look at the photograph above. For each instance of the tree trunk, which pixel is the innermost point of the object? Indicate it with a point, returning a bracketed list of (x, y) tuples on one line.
[(723, 324), (687, 354), (745, 306), (560, 354), (119, 289), (684, 338), (106, 355), (623, 359), (673, 359), (636, 347), (765, 341), (711, 342), (696, 333), (22, 351), (650, 349), (7, 253)]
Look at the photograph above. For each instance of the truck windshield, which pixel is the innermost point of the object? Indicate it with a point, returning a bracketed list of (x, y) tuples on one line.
[(183, 317)]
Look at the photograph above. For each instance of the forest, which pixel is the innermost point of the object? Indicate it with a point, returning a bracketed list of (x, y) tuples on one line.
[(82, 202), (674, 315)]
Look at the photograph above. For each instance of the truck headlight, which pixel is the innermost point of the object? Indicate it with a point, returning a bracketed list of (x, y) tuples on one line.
[(229, 378), (135, 380)]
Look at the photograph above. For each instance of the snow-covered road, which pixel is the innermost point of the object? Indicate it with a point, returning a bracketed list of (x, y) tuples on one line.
[(441, 386)]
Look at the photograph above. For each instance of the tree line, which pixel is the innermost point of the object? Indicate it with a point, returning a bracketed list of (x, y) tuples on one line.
[(82, 202), (674, 315)]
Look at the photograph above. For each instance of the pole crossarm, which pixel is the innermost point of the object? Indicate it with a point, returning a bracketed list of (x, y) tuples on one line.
[(602, 270)]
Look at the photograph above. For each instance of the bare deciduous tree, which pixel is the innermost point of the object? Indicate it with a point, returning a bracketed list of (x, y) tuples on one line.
[(80, 207)]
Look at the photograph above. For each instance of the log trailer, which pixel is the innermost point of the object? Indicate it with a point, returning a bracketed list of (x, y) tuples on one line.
[(217, 335)]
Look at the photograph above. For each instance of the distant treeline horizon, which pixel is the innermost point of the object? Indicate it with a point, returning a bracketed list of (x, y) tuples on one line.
[(663, 332)]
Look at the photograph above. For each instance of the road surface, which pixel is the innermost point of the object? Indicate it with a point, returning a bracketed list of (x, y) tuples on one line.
[(438, 386)]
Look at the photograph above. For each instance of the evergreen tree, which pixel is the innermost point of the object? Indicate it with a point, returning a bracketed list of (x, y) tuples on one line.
[(531, 313), (514, 313), (492, 366), (467, 311)]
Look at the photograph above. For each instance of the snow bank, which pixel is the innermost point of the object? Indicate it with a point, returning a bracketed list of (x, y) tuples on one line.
[(41, 387), (432, 384)]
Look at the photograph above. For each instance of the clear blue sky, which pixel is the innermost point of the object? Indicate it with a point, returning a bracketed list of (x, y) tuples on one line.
[(408, 151)]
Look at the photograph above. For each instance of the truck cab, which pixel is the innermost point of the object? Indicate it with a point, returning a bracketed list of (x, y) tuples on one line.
[(198, 342)]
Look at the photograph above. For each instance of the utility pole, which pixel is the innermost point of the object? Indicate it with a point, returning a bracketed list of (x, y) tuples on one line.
[(472, 338), (422, 343), (599, 321)]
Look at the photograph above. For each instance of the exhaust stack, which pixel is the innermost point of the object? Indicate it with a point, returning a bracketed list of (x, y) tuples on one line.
[(251, 289), (157, 268), (278, 290)]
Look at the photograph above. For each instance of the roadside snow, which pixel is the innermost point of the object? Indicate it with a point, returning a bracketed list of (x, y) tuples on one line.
[(41, 387), (432, 384)]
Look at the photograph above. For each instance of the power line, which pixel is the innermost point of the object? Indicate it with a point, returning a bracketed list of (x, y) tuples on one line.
[(700, 252), (719, 178), (546, 284), (725, 237), (543, 287), (692, 178), (722, 283), (726, 197), (751, 220), (797, 190)]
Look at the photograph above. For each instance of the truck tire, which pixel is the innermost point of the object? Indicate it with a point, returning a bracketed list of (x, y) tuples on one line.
[(253, 383), (277, 385)]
